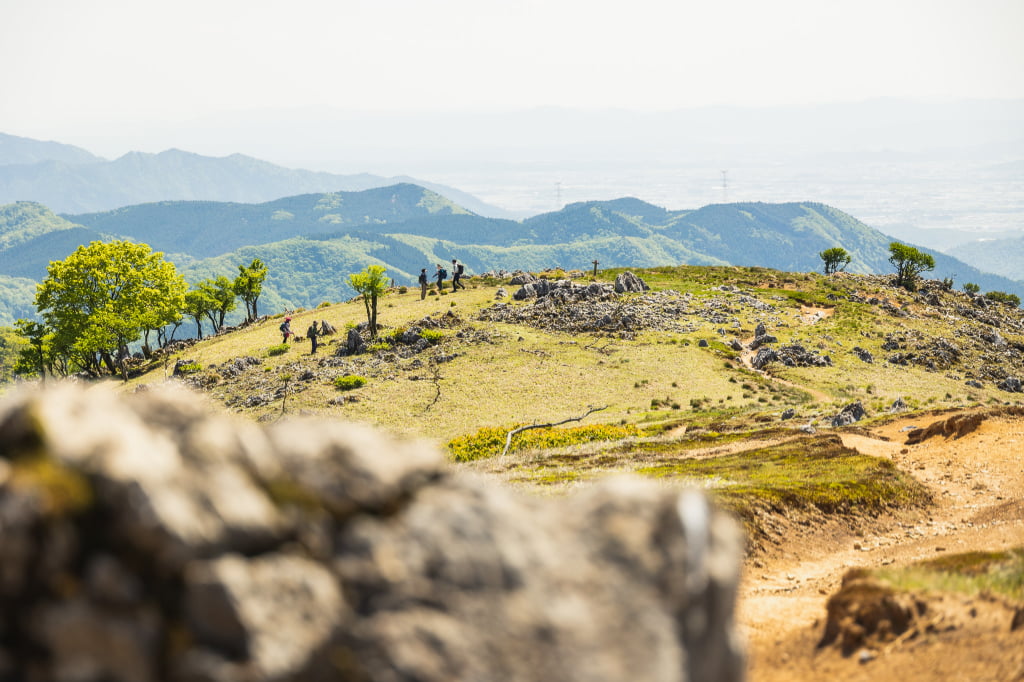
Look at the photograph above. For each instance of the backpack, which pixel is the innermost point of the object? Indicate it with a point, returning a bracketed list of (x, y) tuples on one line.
[(284, 327), (444, 274), (459, 269)]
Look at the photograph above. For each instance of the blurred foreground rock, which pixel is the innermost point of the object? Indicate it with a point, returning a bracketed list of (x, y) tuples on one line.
[(148, 537)]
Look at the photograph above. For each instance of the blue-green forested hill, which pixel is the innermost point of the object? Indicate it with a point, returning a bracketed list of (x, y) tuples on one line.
[(312, 242)]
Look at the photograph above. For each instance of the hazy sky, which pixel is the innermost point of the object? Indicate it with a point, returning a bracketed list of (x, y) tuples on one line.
[(76, 68)]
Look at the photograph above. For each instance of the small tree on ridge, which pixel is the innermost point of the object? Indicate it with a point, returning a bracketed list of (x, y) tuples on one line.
[(909, 263), (249, 285), (835, 259), (371, 284)]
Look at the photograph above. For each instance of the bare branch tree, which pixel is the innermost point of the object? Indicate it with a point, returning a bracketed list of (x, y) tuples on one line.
[(513, 432)]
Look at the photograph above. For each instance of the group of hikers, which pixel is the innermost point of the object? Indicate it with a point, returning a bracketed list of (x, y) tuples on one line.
[(441, 275), (315, 332)]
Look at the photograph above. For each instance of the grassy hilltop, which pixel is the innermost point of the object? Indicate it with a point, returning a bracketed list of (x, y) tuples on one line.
[(670, 398), (676, 373)]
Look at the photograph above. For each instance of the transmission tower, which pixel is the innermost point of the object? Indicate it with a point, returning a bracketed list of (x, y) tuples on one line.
[(558, 196), (725, 187)]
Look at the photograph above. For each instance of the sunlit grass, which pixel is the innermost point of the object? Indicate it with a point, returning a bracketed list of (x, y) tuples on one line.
[(524, 375), (971, 574)]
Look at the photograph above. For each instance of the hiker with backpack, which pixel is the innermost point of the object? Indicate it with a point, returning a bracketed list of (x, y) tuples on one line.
[(312, 333), (441, 275), (286, 329), (423, 284), (457, 271)]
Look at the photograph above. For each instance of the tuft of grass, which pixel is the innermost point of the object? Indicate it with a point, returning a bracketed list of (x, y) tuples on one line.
[(349, 382), (279, 349), (190, 368), (434, 336)]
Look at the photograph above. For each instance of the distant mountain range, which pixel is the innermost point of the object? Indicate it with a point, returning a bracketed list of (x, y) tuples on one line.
[(999, 256), (312, 242), (69, 179)]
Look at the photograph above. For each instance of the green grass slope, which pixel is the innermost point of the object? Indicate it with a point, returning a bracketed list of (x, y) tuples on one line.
[(497, 373)]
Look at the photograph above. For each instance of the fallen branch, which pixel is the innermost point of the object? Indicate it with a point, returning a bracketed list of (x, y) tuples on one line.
[(600, 349), (513, 432), (436, 380)]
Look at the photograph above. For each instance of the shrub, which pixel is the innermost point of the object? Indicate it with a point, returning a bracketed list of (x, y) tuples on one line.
[(434, 336), (190, 368), (279, 349), (490, 441), (1003, 297), (971, 287), (349, 382), (403, 289)]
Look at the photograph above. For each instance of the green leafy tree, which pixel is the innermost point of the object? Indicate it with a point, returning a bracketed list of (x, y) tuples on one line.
[(38, 356), (371, 284), (12, 345), (104, 296), (971, 287), (909, 263), (835, 259), (198, 304), (221, 291), (248, 286)]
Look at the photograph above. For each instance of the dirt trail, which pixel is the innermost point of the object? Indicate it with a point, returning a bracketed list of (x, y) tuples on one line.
[(808, 315), (747, 359), (978, 483)]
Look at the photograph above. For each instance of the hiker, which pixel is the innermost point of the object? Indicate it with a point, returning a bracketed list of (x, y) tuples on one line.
[(457, 271), (286, 329), (423, 284), (312, 333), (441, 275)]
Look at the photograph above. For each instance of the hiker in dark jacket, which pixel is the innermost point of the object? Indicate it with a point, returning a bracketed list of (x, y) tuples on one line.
[(313, 332), (441, 275), (286, 329), (457, 271), (423, 284)]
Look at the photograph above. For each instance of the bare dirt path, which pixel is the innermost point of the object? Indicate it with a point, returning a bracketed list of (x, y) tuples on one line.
[(978, 483)]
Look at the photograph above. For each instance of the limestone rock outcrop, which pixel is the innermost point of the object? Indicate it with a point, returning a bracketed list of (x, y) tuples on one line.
[(148, 537)]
